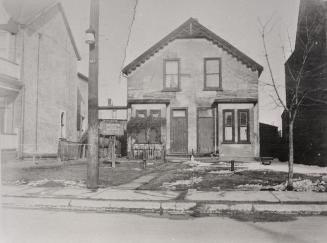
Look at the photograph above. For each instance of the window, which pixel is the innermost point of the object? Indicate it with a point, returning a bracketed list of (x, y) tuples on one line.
[(212, 73), (171, 75), (243, 126), (141, 113), (155, 113), (141, 137), (179, 113), (228, 126), (155, 132)]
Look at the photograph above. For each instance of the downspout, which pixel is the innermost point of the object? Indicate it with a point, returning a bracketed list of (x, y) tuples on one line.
[(215, 130), (37, 94), (22, 134)]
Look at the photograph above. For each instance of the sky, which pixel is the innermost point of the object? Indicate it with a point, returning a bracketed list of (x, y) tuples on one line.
[(236, 21)]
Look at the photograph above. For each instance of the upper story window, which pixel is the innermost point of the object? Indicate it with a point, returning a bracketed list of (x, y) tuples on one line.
[(212, 74), (171, 75)]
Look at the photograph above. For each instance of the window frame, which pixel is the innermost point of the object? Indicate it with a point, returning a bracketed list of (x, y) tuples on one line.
[(247, 111), (233, 126), (158, 111), (165, 88), (215, 88), (155, 111), (141, 111)]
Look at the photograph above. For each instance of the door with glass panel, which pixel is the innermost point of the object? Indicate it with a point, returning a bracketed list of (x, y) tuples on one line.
[(178, 131)]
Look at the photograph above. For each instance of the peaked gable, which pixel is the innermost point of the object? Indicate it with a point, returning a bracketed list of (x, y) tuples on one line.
[(49, 10), (193, 29)]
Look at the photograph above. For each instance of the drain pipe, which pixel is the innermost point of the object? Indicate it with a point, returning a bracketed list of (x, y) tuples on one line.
[(37, 96)]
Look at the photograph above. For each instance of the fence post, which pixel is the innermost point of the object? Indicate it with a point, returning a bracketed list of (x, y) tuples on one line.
[(113, 161), (232, 168), (163, 154)]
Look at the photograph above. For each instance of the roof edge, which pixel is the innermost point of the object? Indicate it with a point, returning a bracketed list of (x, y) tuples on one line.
[(173, 35), (44, 11)]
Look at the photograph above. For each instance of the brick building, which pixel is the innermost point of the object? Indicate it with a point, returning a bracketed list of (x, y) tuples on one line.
[(204, 89), (38, 77), (310, 126)]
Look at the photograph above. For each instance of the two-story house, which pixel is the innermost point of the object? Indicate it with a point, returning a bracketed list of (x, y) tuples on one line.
[(204, 88), (38, 78)]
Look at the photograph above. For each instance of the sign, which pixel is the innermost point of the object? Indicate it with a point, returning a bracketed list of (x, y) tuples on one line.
[(110, 128)]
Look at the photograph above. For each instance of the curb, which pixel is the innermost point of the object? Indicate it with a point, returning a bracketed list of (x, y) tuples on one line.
[(170, 207)]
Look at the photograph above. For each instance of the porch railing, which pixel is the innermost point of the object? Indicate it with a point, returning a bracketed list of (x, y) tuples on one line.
[(148, 152)]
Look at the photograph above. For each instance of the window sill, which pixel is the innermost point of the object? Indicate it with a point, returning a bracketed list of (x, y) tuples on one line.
[(244, 142), (236, 142), (226, 142), (212, 89), (171, 90)]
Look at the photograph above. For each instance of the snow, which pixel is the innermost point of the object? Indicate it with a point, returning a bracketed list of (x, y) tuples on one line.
[(283, 167), (172, 185)]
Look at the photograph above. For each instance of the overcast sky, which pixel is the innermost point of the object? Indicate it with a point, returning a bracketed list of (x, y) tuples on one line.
[(236, 21)]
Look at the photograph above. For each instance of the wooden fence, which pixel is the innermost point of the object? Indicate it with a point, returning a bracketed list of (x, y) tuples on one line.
[(68, 150), (148, 152)]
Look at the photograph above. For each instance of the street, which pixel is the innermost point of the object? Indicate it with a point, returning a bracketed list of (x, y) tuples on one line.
[(21, 225)]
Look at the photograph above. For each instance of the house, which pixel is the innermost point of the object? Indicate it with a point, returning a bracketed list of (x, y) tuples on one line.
[(38, 79), (310, 125), (82, 104), (201, 90)]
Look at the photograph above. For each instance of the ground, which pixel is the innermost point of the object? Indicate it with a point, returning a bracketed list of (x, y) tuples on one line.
[(21, 225), (210, 175)]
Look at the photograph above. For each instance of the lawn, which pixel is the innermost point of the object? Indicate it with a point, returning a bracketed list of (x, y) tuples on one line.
[(214, 176), (217, 176), (123, 173)]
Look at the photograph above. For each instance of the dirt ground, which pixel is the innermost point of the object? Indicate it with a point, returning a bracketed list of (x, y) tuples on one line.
[(169, 176)]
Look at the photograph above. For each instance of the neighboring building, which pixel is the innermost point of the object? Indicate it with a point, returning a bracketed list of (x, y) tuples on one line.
[(204, 88), (269, 141), (82, 104), (38, 81), (310, 127)]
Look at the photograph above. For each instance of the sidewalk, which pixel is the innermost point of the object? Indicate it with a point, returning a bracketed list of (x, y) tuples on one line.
[(116, 199)]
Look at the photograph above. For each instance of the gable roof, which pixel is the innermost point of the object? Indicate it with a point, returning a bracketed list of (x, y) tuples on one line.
[(193, 29), (26, 14)]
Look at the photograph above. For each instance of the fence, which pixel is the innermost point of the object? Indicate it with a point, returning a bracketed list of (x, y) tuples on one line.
[(68, 150), (148, 151)]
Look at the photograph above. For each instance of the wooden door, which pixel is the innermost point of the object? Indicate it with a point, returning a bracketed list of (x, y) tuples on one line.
[(178, 135), (206, 127)]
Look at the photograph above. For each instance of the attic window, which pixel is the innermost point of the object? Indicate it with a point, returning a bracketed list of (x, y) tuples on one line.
[(171, 75), (212, 74)]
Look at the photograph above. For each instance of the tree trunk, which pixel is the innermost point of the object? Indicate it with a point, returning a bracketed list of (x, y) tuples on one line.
[(291, 156)]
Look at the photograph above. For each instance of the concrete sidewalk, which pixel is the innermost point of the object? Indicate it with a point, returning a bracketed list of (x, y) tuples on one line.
[(127, 200)]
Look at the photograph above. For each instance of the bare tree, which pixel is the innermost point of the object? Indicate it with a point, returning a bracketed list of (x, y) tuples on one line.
[(298, 92)]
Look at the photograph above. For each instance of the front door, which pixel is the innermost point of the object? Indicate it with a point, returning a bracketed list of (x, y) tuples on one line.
[(178, 131), (206, 129)]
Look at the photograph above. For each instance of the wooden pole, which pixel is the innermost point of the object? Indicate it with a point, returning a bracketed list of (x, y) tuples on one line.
[(93, 133)]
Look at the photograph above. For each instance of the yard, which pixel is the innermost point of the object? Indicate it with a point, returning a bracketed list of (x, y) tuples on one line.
[(204, 176)]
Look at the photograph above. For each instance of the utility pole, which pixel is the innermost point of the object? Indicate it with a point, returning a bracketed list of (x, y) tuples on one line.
[(93, 132)]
